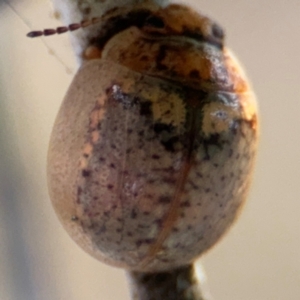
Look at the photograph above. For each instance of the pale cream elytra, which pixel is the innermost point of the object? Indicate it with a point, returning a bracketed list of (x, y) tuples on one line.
[(152, 151)]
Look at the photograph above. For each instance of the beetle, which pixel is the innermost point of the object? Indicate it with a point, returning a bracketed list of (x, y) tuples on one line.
[(151, 154)]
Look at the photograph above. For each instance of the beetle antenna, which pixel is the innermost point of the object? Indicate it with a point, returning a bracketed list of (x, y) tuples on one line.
[(63, 29)]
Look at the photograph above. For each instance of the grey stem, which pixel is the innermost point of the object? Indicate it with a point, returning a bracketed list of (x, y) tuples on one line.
[(179, 284)]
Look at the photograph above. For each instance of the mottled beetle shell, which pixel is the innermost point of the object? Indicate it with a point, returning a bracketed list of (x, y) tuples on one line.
[(152, 151)]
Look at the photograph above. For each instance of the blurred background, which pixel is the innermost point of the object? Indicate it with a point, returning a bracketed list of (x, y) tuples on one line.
[(260, 257)]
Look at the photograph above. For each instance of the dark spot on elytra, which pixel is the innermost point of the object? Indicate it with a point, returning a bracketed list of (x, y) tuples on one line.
[(155, 156), (170, 144), (149, 196), (194, 74), (185, 204), (189, 227), (144, 241), (119, 230), (146, 108), (138, 243), (164, 199), (141, 145), (112, 166), (159, 222), (177, 245), (86, 173), (101, 230), (79, 191), (146, 213), (99, 125), (129, 233), (200, 175), (214, 139), (95, 198), (133, 214), (110, 186), (141, 132), (149, 241), (101, 159), (208, 190), (193, 185), (85, 155), (129, 131), (169, 180), (205, 217)]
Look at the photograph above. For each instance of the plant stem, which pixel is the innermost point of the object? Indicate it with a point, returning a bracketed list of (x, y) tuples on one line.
[(179, 284)]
